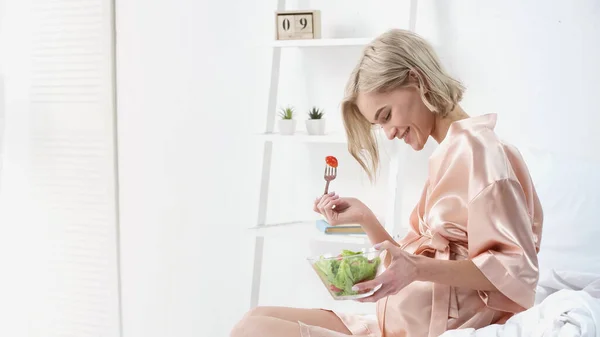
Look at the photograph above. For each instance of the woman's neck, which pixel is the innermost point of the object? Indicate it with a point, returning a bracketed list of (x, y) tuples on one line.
[(442, 124)]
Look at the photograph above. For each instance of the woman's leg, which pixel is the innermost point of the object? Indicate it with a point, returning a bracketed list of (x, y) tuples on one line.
[(322, 318), (283, 322), (264, 326)]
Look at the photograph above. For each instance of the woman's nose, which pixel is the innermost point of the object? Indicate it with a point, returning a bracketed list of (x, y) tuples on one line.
[(390, 132)]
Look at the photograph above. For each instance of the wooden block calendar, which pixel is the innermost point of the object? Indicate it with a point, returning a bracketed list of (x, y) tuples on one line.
[(297, 25)]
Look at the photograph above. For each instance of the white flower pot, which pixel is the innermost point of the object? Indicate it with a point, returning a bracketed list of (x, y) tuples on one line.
[(286, 126), (315, 126)]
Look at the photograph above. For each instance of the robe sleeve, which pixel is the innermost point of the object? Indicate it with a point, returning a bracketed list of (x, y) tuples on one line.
[(502, 245)]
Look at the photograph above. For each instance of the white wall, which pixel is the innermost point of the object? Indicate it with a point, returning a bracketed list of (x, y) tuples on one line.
[(58, 247), (534, 63), (185, 82), (192, 87), (2, 75)]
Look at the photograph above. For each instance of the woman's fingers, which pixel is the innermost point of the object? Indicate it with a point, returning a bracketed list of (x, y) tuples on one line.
[(382, 279), (325, 197), (324, 200), (317, 202), (382, 292), (316, 205), (387, 245), (322, 203), (329, 211), (325, 205)]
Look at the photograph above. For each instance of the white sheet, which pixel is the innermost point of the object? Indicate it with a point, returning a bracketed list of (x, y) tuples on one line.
[(569, 306), (556, 280)]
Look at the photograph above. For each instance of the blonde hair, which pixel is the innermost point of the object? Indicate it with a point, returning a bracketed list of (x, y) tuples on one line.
[(385, 65)]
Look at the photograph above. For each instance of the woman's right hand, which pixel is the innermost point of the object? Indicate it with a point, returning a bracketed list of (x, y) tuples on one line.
[(341, 211)]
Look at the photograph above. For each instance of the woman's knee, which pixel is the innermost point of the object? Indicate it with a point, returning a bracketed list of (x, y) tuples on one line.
[(239, 330), (262, 311), (242, 327)]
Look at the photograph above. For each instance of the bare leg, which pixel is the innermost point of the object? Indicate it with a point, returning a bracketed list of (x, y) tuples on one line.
[(322, 318), (283, 322), (264, 326)]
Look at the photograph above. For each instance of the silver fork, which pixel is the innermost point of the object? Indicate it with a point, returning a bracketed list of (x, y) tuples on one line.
[(330, 174)]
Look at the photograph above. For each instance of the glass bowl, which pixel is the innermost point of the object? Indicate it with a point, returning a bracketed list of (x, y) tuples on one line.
[(341, 271)]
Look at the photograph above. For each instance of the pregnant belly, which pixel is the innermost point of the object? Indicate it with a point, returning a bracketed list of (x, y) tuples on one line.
[(408, 312)]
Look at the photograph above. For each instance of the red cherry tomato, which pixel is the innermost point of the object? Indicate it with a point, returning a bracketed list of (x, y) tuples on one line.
[(331, 161), (334, 288)]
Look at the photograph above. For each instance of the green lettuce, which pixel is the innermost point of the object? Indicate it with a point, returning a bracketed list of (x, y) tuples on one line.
[(343, 273)]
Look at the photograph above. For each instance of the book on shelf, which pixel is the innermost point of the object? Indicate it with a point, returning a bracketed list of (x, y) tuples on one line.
[(326, 228)]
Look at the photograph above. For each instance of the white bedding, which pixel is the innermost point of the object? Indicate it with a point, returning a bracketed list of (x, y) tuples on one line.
[(568, 305)]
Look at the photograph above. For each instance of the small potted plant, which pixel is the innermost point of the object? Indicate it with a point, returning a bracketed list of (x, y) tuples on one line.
[(315, 124), (287, 123)]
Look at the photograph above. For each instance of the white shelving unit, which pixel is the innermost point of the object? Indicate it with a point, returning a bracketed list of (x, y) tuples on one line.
[(303, 137), (303, 230), (321, 43), (306, 229)]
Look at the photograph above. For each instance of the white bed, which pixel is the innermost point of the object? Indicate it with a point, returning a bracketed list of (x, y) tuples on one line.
[(568, 295), (569, 189)]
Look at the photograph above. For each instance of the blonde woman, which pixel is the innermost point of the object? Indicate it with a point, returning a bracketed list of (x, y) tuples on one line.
[(470, 258)]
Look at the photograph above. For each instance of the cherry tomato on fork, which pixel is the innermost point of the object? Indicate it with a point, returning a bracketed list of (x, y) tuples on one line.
[(331, 161)]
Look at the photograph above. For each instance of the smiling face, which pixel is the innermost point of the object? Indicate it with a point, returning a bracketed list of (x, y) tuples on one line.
[(384, 89), (401, 113)]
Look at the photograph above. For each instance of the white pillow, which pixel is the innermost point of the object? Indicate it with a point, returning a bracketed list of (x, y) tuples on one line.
[(569, 190)]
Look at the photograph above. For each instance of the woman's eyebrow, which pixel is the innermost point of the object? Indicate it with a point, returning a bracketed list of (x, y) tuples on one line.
[(378, 112)]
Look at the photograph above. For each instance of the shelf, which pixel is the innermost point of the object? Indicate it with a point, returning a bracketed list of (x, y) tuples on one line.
[(304, 230), (321, 42), (303, 137)]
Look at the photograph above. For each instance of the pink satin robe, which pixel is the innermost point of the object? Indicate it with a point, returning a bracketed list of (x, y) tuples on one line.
[(479, 203)]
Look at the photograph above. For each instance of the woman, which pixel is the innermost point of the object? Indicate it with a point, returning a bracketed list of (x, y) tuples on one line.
[(470, 258)]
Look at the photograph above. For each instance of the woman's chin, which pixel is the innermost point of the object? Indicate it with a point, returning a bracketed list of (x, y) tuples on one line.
[(416, 145)]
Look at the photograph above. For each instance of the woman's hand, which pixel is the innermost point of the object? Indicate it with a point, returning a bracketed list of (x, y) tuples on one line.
[(347, 211), (341, 211), (401, 272)]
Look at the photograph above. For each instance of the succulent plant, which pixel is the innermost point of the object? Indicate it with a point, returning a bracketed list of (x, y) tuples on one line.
[(315, 113), (286, 113)]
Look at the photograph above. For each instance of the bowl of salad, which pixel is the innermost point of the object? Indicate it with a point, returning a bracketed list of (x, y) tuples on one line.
[(340, 272)]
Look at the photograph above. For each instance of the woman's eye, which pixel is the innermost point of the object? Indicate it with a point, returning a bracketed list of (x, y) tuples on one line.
[(387, 117)]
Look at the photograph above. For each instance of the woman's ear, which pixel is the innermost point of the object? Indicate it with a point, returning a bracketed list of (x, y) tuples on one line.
[(416, 77)]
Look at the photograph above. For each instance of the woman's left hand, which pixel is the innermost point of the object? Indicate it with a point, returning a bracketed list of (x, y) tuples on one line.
[(401, 272)]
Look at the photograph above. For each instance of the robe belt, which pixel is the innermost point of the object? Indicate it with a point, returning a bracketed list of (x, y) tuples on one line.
[(444, 300)]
